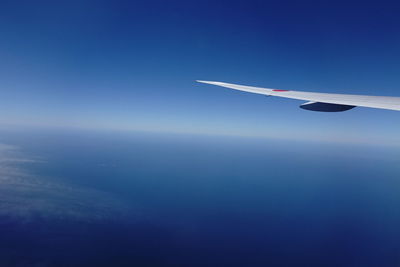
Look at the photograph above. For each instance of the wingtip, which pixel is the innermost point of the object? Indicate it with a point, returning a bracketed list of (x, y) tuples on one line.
[(208, 82)]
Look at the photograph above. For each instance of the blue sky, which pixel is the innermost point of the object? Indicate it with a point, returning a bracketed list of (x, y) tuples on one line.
[(131, 65)]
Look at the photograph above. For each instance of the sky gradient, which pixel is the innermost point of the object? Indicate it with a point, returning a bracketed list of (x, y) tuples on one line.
[(132, 65)]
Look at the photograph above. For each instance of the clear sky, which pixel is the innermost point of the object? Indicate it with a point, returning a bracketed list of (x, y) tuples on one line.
[(133, 65)]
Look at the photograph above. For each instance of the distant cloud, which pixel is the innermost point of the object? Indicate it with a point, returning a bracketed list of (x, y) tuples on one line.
[(26, 196)]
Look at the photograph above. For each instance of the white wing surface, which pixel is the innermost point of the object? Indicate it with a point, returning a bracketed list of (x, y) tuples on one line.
[(321, 101)]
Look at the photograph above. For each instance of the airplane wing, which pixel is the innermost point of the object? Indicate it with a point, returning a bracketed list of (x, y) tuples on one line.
[(321, 101)]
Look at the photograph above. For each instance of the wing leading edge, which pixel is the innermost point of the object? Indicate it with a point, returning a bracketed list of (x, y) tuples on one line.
[(321, 101)]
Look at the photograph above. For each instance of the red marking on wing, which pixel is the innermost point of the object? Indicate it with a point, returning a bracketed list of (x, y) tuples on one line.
[(276, 90)]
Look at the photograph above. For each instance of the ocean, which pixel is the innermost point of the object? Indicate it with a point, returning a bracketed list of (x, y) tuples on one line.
[(104, 198)]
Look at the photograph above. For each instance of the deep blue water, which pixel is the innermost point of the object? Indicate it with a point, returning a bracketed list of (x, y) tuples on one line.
[(86, 198)]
